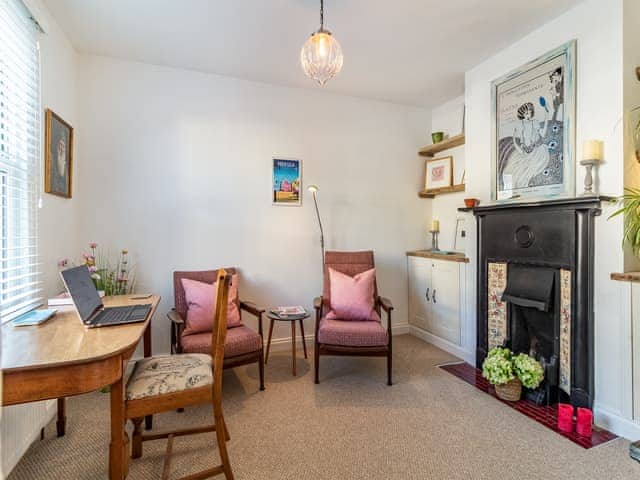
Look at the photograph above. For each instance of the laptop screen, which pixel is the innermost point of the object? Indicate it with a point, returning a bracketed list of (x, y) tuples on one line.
[(82, 291)]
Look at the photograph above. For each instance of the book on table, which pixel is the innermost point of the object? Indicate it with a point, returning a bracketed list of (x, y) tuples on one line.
[(34, 317), (294, 311), (64, 299)]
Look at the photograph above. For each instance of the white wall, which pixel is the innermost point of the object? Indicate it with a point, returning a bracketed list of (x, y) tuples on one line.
[(448, 118), (179, 174), (58, 225), (597, 26)]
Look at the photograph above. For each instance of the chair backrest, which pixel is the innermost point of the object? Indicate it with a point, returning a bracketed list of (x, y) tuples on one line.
[(219, 332), (204, 276), (349, 263)]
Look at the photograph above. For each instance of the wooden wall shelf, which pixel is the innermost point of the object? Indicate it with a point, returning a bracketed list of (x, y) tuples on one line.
[(431, 193), (436, 148)]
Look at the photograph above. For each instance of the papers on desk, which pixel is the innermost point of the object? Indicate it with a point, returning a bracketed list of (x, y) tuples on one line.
[(34, 317), (288, 311)]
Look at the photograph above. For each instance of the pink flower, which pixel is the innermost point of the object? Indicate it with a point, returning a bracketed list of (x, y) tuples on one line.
[(63, 262), (93, 269), (93, 245)]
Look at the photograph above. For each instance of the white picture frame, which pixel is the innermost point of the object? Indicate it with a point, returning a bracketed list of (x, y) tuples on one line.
[(533, 128), (286, 181)]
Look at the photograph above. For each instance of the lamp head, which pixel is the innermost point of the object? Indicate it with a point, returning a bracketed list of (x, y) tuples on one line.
[(313, 188)]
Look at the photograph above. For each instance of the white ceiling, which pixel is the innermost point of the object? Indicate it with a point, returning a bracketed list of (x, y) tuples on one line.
[(413, 52)]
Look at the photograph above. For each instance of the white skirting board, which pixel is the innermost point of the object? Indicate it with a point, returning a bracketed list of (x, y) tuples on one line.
[(21, 425), (442, 344)]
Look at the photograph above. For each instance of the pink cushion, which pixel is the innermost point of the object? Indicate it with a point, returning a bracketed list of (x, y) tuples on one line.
[(201, 299), (352, 298), (352, 333), (240, 340)]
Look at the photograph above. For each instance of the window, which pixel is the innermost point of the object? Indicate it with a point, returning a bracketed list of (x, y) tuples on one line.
[(20, 283)]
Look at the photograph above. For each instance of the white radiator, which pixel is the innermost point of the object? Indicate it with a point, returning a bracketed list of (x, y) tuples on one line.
[(20, 425)]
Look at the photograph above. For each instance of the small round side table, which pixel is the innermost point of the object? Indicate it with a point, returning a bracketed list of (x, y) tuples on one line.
[(291, 319)]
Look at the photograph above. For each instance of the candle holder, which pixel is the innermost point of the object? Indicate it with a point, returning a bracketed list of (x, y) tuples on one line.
[(434, 240), (588, 179)]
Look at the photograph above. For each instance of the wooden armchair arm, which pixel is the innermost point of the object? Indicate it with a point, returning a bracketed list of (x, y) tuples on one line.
[(177, 327), (175, 317), (385, 303), (253, 309), (317, 304)]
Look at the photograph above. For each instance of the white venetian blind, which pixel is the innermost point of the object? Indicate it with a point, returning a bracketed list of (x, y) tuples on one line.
[(20, 283)]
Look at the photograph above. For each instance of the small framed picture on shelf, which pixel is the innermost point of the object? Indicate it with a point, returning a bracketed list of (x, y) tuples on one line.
[(438, 173)]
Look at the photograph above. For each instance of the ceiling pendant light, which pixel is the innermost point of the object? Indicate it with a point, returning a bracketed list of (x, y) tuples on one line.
[(321, 54)]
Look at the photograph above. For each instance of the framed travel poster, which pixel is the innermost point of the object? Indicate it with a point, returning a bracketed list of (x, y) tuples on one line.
[(287, 181), (58, 155), (438, 173), (533, 128)]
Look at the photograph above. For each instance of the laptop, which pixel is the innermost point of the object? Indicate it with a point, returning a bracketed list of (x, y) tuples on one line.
[(92, 311)]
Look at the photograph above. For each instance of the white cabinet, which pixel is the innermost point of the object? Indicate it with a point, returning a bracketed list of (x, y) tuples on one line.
[(435, 297)]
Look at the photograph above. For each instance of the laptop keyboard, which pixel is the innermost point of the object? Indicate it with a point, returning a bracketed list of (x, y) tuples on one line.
[(115, 315)]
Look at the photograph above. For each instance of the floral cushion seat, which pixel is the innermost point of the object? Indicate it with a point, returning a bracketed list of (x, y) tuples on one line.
[(167, 374)]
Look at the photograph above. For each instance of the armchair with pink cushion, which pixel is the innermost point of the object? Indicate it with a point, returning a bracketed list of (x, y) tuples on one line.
[(350, 324), (191, 334)]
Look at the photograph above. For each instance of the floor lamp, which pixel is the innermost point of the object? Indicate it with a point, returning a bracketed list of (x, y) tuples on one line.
[(314, 191)]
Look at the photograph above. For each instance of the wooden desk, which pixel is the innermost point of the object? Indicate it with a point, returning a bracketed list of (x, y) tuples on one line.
[(62, 358)]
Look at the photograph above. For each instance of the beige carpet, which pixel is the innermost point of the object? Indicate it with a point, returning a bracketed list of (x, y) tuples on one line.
[(429, 425)]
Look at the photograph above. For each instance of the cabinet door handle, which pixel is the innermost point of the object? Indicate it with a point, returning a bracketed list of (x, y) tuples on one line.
[(434, 296), (427, 295)]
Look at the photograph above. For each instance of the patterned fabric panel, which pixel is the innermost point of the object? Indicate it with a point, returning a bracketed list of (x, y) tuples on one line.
[(167, 374), (565, 331), (352, 333), (496, 308), (239, 340)]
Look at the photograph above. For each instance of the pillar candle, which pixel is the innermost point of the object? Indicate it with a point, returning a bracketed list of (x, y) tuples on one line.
[(592, 150), (584, 425), (565, 417), (435, 225)]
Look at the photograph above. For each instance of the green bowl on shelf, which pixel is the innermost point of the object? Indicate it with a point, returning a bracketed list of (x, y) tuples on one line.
[(437, 137)]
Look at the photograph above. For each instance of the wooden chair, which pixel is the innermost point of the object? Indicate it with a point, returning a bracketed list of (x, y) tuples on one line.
[(348, 337), (163, 383), (243, 345)]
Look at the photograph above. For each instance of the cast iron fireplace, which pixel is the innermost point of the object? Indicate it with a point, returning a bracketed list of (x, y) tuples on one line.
[(535, 290)]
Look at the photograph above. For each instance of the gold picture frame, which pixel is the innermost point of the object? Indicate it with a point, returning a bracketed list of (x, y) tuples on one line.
[(58, 167)]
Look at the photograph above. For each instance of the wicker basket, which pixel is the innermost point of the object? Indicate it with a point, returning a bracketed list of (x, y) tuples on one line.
[(510, 391)]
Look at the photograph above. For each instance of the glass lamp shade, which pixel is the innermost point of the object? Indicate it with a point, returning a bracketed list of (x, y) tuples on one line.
[(321, 56)]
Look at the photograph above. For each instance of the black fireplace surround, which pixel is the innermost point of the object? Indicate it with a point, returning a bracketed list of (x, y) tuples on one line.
[(536, 240)]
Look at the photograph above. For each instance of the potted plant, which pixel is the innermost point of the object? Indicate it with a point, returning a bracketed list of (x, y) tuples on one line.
[(631, 210), (508, 373)]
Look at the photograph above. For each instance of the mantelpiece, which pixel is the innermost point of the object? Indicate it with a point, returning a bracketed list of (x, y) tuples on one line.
[(454, 257)]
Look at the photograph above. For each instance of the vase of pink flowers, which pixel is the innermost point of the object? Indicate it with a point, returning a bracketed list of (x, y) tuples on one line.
[(113, 276)]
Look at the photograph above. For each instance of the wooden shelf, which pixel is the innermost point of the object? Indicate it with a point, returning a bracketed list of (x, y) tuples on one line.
[(439, 191), (432, 150)]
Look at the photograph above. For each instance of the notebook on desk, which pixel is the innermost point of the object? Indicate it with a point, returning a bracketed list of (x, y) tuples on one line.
[(89, 306)]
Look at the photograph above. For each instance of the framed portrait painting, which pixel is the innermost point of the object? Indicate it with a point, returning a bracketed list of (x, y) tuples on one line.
[(58, 155), (286, 181), (438, 173), (533, 128)]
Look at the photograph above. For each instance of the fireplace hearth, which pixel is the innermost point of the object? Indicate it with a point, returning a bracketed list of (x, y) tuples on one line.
[(535, 290)]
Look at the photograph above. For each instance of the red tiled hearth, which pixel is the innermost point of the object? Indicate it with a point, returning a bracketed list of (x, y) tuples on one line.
[(547, 416)]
